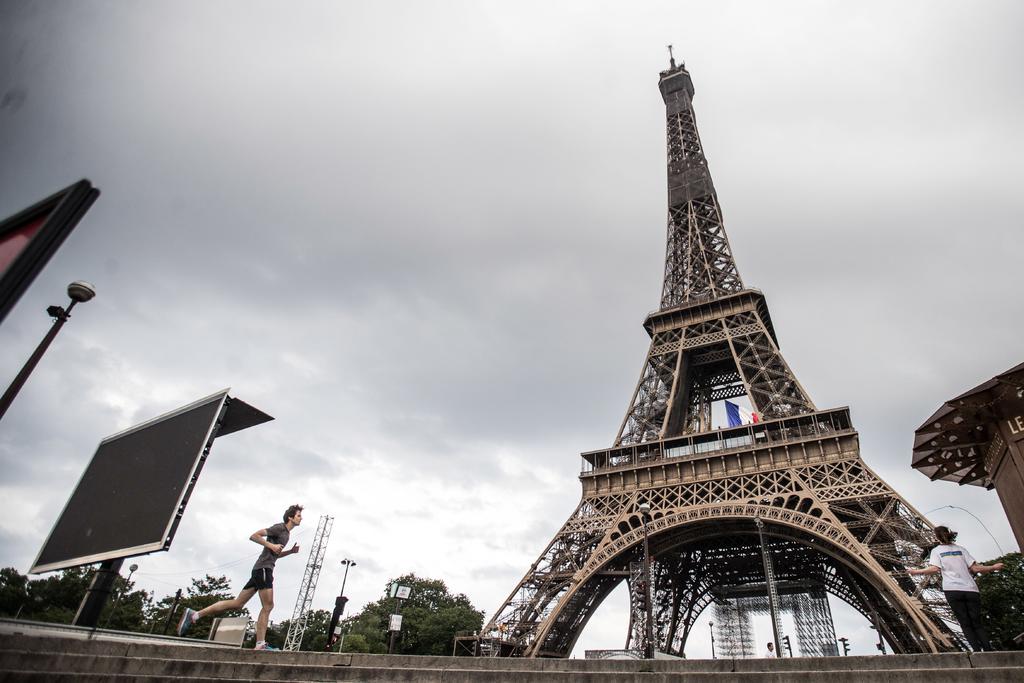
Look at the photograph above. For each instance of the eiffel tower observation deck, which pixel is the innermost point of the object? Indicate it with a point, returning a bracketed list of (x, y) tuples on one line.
[(701, 495)]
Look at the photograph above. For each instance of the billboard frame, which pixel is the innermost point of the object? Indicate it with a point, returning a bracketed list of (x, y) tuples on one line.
[(172, 525), (60, 213)]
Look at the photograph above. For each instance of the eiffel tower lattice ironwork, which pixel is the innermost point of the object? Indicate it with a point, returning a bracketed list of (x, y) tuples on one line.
[(830, 519)]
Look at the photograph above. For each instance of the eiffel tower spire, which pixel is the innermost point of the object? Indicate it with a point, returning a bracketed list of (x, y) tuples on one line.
[(711, 339), (698, 259)]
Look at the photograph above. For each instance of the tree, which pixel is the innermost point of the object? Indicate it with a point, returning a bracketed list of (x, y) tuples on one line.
[(314, 638), (430, 618), (54, 599), (355, 642), (1002, 601), (126, 609), (13, 592)]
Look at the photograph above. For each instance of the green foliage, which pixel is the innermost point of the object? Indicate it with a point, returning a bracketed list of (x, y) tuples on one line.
[(314, 638), (54, 599), (1002, 601), (430, 618), (355, 642), (126, 610), (13, 592), (366, 631)]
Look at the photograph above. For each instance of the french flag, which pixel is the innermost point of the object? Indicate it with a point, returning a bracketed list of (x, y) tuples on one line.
[(738, 415)]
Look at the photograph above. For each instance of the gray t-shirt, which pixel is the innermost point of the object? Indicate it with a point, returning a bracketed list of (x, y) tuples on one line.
[(275, 534)]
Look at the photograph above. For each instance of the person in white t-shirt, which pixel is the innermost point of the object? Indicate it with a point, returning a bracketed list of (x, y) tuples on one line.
[(770, 652), (957, 566)]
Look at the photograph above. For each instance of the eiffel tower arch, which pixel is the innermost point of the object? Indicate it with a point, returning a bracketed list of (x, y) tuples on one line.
[(828, 523)]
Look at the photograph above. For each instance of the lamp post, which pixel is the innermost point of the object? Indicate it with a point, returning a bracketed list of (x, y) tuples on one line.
[(334, 632), (711, 627), (132, 568), (769, 584), (348, 563), (645, 516), (80, 292)]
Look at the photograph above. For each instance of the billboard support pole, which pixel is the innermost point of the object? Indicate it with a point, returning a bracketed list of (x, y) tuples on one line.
[(98, 593)]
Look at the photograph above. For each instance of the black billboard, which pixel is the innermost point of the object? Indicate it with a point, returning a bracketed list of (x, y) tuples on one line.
[(134, 490), (29, 238)]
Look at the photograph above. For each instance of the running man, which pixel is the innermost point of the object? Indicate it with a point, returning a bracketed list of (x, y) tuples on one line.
[(273, 539)]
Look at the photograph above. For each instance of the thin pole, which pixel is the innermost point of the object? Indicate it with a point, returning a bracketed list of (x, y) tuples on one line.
[(345, 577), (339, 609), (174, 608), (649, 649), (391, 642), (711, 627), (60, 317), (120, 594), (769, 582)]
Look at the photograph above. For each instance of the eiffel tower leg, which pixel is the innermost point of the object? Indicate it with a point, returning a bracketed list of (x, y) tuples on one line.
[(543, 590)]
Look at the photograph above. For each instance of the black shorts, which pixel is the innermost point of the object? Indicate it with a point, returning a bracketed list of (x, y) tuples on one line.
[(260, 579)]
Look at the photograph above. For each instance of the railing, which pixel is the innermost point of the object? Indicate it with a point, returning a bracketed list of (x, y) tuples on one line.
[(759, 434)]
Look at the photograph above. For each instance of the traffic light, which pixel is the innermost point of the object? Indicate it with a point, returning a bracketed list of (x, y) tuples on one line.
[(846, 646), (785, 641)]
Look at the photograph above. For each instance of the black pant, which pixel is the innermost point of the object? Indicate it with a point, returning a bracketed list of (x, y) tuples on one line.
[(966, 606)]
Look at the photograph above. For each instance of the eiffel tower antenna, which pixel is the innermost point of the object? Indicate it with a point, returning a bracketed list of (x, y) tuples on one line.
[(307, 589), (671, 59), (792, 478)]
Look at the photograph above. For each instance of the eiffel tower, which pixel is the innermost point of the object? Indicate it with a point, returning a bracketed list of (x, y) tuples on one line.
[(830, 523)]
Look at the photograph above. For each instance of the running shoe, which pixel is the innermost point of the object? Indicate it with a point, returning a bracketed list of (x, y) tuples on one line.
[(187, 619), (265, 646)]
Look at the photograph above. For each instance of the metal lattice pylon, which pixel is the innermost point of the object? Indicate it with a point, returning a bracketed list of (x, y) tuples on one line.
[(733, 630), (798, 468), (316, 560), (804, 599)]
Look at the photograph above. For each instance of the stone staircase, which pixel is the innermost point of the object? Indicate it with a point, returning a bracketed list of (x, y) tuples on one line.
[(25, 657)]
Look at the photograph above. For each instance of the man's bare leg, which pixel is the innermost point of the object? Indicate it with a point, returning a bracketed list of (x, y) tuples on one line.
[(266, 606), (224, 605), (190, 616)]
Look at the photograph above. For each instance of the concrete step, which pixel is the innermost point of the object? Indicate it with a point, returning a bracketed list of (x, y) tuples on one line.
[(961, 660), (25, 658), (73, 677), (257, 669), (993, 675)]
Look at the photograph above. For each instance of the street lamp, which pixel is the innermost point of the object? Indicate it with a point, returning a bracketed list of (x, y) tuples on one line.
[(711, 627), (645, 516), (80, 292), (348, 563), (132, 568), (339, 609)]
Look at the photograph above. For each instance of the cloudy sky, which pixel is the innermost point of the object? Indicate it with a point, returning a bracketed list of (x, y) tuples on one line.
[(424, 235)]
